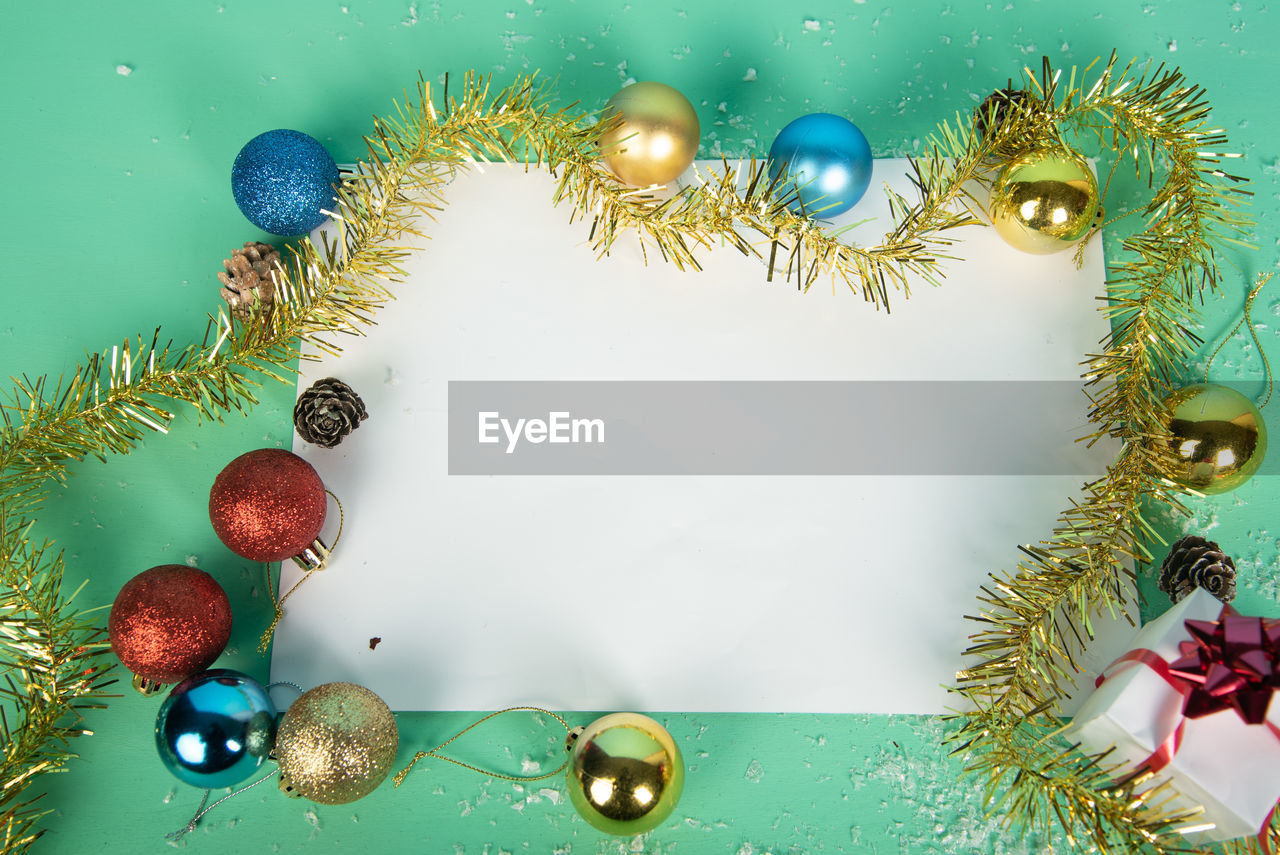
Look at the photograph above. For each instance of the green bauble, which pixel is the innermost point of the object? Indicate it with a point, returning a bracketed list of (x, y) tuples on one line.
[(1044, 201), (1217, 438), (625, 774)]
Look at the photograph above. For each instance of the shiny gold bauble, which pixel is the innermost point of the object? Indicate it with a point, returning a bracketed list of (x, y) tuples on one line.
[(625, 774), (336, 744), (1217, 438), (658, 136), (1044, 201)]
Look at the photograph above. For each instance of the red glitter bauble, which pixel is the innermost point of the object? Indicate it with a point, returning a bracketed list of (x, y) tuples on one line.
[(267, 505), (169, 622)]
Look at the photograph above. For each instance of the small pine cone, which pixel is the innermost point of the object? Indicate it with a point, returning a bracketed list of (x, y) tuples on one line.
[(994, 109), (327, 412), (1194, 562), (249, 278)]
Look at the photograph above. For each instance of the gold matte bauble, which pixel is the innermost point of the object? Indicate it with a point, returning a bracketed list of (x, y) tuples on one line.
[(1044, 201), (625, 774), (657, 138), (1217, 438), (336, 744)]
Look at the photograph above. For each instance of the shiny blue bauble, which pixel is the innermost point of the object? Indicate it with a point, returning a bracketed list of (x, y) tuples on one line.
[(281, 180), (215, 728), (827, 158)]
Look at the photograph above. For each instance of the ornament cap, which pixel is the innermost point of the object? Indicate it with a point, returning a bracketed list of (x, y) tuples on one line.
[(146, 686), (572, 737), (287, 787), (314, 557)]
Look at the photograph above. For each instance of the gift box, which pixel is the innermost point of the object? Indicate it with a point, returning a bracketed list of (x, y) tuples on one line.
[(1191, 701)]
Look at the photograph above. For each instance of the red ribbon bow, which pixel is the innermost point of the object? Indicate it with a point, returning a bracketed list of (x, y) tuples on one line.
[(1232, 662)]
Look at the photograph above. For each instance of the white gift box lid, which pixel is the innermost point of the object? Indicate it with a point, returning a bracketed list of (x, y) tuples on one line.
[(1229, 767)]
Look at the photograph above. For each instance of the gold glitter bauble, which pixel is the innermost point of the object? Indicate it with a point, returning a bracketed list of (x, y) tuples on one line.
[(625, 774), (336, 744), (1044, 201), (1217, 438), (658, 137)]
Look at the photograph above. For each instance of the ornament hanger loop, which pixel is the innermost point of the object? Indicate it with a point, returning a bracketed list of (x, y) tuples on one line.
[(1263, 279), (320, 553), (403, 773), (278, 683), (175, 836)]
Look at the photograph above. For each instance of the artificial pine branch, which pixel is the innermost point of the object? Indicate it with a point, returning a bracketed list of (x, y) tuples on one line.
[(1037, 782), (53, 669)]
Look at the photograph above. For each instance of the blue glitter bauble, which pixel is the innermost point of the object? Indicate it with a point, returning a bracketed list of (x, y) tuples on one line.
[(827, 158), (215, 728), (281, 180)]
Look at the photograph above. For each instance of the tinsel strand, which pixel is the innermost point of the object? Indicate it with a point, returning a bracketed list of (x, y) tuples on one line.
[(1037, 619)]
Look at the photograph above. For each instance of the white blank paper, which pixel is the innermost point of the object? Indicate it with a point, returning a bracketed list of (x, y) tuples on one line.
[(653, 593)]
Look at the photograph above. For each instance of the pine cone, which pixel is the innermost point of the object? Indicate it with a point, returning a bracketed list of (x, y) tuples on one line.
[(993, 110), (1194, 562), (327, 412), (248, 278)]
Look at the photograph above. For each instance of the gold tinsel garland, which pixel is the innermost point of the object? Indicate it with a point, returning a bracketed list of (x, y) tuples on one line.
[(1033, 621)]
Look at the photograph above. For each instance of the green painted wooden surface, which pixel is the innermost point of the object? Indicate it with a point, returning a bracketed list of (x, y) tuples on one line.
[(118, 212)]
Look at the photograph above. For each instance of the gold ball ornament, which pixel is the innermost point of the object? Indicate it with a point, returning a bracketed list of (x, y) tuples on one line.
[(657, 138), (625, 774), (336, 744), (1218, 438), (1044, 201)]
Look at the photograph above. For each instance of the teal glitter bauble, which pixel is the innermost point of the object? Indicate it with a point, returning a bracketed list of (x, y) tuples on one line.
[(215, 728), (282, 180)]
